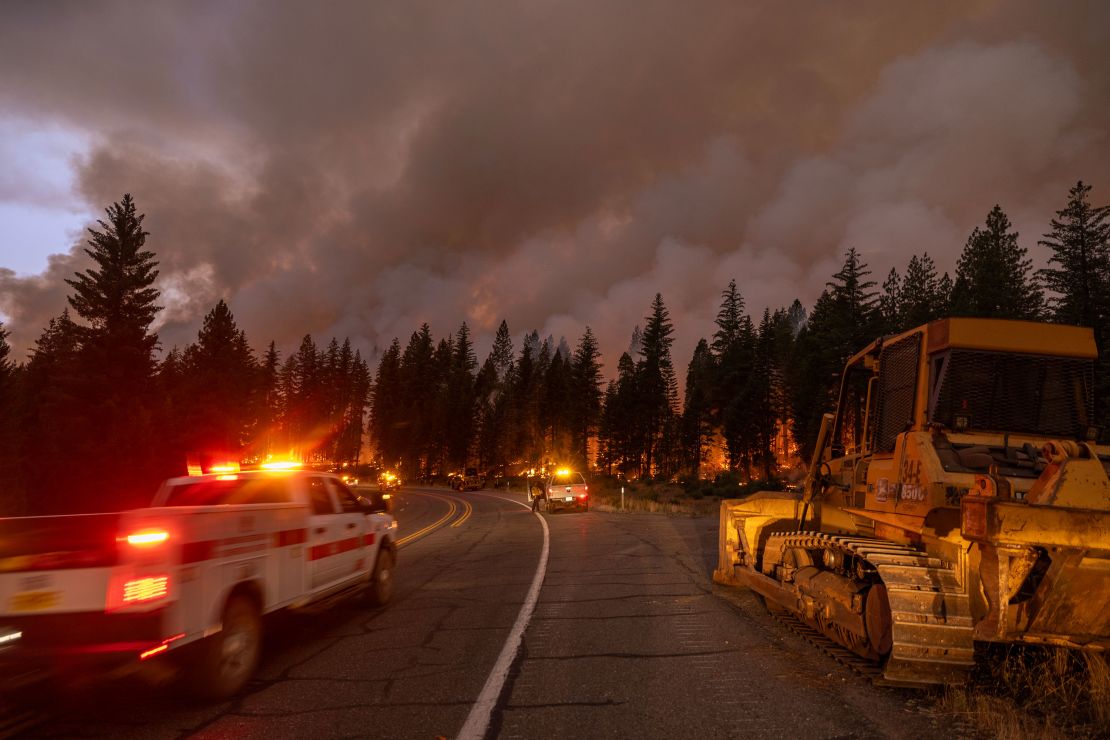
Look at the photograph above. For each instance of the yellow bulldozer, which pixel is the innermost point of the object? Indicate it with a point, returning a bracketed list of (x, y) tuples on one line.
[(957, 496)]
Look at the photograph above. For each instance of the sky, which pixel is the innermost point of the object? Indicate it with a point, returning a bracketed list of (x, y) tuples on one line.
[(355, 169)]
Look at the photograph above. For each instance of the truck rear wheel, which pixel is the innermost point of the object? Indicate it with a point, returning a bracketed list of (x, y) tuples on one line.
[(381, 581), (229, 658)]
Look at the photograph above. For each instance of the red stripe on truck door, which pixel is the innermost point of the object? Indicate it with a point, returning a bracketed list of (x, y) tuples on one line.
[(326, 550), (195, 552), (290, 537)]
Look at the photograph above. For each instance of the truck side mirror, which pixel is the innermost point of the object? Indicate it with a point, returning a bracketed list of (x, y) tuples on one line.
[(375, 502)]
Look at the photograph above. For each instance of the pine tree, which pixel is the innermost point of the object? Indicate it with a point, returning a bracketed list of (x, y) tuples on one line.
[(944, 294), (922, 301), (116, 299), (1080, 246), (843, 321), (304, 401), (357, 398), (461, 399), (733, 349), (586, 395), (697, 416), (658, 385), (270, 402), (891, 302), (730, 320), (635, 344), (501, 355), (55, 422), (607, 446), (437, 431), (7, 378), (221, 378), (493, 390), (769, 394), (285, 441), (527, 387), (118, 303), (993, 277), (387, 415), (555, 409), (781, 352), (417, 398), (625, 438), (7, 368), (1079, 278), (854, 318), (796, 317), (11, 486)]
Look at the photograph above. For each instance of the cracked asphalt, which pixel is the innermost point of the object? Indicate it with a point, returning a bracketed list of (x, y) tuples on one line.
[(629, 639)]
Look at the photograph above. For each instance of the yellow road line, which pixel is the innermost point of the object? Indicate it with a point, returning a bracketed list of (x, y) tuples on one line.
[(466, 513), (434, 525)]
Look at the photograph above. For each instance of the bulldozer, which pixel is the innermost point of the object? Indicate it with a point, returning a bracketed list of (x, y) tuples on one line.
[(957, 497)]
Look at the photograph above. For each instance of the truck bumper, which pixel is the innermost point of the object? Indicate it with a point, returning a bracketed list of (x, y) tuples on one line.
[(79, 640)]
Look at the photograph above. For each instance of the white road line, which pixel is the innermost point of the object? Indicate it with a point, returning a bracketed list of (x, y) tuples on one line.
[(477, 722)]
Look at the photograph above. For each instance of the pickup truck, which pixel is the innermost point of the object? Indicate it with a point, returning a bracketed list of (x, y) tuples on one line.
[(565, 489), (468, 480), (188, 579)]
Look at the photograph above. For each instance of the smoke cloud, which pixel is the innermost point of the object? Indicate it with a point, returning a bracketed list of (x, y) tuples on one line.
[(363, 168)]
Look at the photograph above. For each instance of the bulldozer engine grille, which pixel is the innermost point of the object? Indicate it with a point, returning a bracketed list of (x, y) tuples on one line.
[(897, 387), (1014, 393)]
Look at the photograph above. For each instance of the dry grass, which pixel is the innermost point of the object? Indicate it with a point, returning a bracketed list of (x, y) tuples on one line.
[(1029, 692), (656, 500)]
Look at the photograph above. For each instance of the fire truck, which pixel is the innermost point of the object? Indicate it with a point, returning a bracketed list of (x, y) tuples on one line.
[(186, 581)]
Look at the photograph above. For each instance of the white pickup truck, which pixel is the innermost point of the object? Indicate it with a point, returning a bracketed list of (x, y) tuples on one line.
[(565, 489), (189, 578)]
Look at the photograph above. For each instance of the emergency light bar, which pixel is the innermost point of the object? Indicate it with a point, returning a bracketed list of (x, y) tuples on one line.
[(148, 538), (202, 464), (281, 465)]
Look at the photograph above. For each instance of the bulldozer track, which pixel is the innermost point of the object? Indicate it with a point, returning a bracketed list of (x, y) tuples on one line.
[(836, 651), (932, 626)]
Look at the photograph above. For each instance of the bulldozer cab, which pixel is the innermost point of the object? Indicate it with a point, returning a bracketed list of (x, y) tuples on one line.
[(877, 400), (982, 394)]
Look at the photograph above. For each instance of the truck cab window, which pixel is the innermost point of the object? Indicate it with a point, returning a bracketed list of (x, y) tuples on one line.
[(321, 499), (348, 501)]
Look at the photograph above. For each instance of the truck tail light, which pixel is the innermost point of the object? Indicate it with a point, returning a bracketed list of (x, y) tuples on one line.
[(143, 590), (581, 495), (148, 538)]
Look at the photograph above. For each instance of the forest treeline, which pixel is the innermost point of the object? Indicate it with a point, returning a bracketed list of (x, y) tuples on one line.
[(93, 419)]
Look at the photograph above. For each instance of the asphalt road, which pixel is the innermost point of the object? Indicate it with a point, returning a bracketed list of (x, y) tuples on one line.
[(626, 637)]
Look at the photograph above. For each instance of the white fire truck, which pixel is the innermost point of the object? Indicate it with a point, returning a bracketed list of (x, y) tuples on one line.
[(564, 489), (188, 579)]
